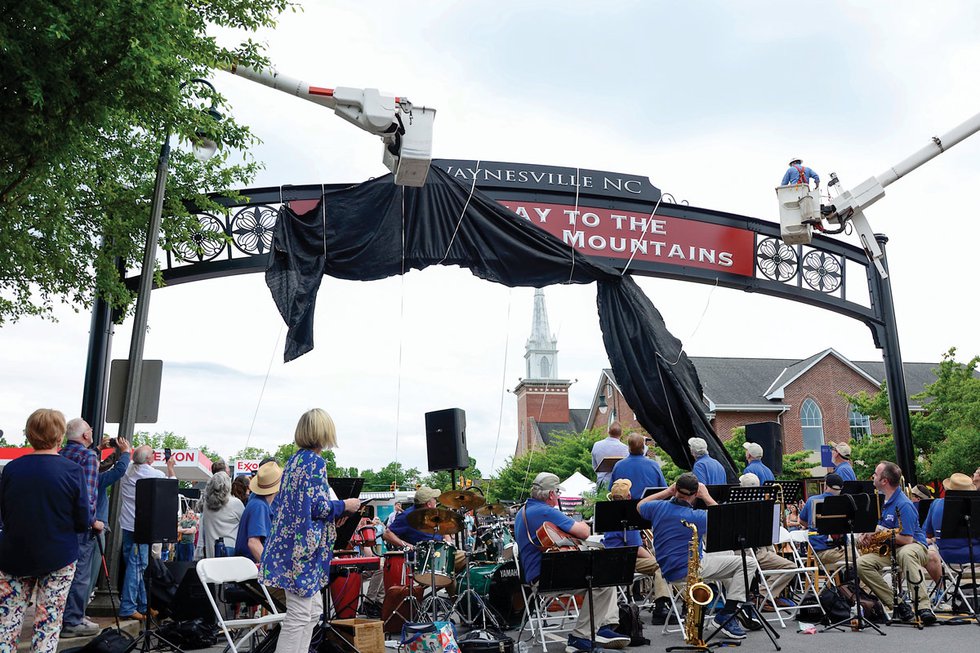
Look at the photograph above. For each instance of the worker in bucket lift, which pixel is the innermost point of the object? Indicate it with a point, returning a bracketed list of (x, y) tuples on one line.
[(797, 173)]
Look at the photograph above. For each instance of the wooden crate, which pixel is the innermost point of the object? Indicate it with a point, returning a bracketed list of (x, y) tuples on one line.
[(366, 635)]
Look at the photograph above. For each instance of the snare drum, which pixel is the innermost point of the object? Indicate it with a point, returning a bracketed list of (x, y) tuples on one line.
[(434, 563), (395, 572)]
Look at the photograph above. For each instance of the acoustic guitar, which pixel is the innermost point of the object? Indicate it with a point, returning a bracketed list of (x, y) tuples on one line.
[(552, 538)]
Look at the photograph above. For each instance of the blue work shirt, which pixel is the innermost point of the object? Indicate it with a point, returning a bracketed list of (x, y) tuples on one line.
[(256, 521), (901, 505), (615, 540), (411, 535), (642, 473), (709, 471), (526, 524), (809, 516), (671, 538), (845, 471), (759, 468), (106, 480), (954, 550), (793, 175)]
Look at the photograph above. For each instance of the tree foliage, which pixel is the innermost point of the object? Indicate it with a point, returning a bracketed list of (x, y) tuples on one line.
[(444, 480), (563, 456), (251, 453), (945, 436), (89, 90), (161, 440)]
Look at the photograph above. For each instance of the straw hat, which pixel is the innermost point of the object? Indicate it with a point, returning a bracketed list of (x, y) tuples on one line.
[(960, 482), (267, 480)]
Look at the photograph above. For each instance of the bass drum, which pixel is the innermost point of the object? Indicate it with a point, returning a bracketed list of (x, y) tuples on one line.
[(499, 585)]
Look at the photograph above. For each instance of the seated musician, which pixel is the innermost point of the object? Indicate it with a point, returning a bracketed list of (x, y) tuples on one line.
[(769, 560), (541, 508), (829, 553), (646, 563), (671, 539), (910, 543), (401, 535), (953, 550)]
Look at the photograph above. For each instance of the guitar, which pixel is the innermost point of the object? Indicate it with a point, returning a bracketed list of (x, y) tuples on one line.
[(552, 538)]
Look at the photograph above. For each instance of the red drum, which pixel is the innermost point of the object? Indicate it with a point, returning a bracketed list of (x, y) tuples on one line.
[(345, 589), (395, 572), (366, 536)]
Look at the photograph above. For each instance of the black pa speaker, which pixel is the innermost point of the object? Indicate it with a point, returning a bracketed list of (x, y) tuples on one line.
[(769, 436), (445, 439), (156, 511)]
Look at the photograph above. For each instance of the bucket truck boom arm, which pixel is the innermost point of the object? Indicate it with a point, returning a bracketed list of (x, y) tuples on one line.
[(405, 129), (798, 207)]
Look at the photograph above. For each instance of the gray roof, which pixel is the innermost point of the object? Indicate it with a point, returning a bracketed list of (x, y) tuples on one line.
[(729, 381), (577, 418)]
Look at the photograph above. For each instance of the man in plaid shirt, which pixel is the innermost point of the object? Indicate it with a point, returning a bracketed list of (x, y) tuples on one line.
[(77, 449)]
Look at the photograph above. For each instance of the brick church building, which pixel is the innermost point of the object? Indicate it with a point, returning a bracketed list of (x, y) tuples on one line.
[(801, 395)]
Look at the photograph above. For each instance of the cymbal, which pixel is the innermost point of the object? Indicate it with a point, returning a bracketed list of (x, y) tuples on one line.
[(461, 499), (497, 509), (428, 520)]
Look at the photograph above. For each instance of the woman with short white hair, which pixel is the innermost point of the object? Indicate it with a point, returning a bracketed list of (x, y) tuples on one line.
[(220, 514)]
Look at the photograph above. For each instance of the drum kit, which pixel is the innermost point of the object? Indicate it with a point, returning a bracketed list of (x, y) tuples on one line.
[(489, 584)]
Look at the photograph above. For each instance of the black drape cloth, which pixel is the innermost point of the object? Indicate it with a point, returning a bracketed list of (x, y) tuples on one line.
[(376, 230)]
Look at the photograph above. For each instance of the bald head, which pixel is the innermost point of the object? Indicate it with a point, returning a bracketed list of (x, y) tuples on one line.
[(636, 442)]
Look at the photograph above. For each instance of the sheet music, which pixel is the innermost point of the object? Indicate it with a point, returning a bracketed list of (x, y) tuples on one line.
[(776, 522)]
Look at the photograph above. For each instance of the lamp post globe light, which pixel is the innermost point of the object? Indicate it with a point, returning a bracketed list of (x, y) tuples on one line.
[(204, 148)]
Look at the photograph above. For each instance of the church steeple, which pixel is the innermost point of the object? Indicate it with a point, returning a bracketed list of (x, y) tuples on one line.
[(541, 350)]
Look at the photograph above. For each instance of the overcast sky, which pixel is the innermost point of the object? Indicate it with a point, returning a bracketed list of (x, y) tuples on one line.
[(710, 100)]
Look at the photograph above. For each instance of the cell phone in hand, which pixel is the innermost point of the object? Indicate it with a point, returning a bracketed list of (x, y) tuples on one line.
[(166, 454)]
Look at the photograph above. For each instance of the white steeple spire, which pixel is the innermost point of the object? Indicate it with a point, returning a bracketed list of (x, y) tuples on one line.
[(541, 350)]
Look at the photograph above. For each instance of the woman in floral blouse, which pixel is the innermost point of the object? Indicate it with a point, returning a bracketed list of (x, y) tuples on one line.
[(298, 550)]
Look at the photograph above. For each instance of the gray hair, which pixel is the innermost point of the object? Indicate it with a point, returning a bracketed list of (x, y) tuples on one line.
[(698, 446), (539, 493), (217, 491), (76, 429), (142, 455)]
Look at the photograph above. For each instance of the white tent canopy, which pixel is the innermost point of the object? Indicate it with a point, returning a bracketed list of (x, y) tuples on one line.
[(576, 484)]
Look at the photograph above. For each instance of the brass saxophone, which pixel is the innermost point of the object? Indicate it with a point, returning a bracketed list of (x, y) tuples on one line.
[(698, 593), (881, 541)]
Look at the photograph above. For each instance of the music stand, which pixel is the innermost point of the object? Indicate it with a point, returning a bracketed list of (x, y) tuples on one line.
[(647, 491), (344, 488), (792, 490), (620, 515), (563, 571), (739, 526), (848, 514), (719, 493), (606, 465), (923, 506), (961, 509)]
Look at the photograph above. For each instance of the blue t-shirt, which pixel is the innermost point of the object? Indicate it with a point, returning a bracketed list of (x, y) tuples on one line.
[(614, 539), (758, 468), (845, 471), (954, 550), (641, 471), (709, 471), (671, 538), (106, 479), (809, 516), (256, 521), (526, 524), (901, 505), (411, 535), (44, 502)]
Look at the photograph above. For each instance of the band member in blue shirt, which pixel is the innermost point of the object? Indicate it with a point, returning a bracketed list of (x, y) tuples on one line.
[(707, 470), (910, 542), (753, 456), (671, 539), (641, 471), (841, 456), (542, 507), (954, 550)]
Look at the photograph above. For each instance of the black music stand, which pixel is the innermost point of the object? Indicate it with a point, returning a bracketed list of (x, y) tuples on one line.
[(848, 514), (606, 465), (563, 571), (647, 491), (618, 515), (792, 490), (719, 493), (740, 526), (961, 510), (923, 506), (344, 488)]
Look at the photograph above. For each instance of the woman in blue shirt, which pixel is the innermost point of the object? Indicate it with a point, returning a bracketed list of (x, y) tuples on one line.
[(297, 552), (45, 504)]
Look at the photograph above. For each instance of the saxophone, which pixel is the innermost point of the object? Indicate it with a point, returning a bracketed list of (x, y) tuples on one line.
[(882, 540), (698, 593)]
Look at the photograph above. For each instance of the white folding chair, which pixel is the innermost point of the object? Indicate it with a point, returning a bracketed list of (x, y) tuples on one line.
[(235, 570), (546, 624), (803, 573)]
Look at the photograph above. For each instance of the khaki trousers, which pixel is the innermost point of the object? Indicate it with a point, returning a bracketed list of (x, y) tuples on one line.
[(649, 567), (769, 560), (911, 559), (725, 567)]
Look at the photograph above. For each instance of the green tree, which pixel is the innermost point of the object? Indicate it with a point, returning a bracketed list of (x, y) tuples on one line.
[(89, 89), (211, 455), (444, 481), (563, 456), (391, 473), (160, 440), (251, 453)]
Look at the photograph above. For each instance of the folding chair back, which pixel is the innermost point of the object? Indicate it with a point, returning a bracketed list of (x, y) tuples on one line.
[(235, 570)]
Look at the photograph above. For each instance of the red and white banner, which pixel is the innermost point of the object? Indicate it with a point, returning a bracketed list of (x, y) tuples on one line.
[(189, 464), (245, 467), (618, 234)]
